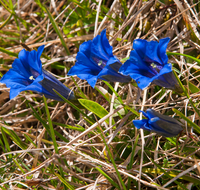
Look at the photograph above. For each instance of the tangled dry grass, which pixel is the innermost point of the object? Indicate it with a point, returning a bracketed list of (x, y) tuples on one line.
[(92, 153)]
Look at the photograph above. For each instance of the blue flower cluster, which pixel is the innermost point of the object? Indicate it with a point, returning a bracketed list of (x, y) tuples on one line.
[(148, 63)]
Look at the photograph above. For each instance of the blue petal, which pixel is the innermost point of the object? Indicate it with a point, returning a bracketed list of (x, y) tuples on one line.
[(142, 124), (34, 62), (31, 62), (101, 47), (20, 68), (138, 61), (144, 78), (159, 79), (85, 48), (23, 56), (17, 87), (148, 51), (162, 46), (84, 72), (84, 63), (168, 80), (39, 51), (12, 78), (145, 114)]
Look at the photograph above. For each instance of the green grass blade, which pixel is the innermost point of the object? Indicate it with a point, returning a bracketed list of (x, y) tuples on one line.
[(56, 28), (187, 95), (82, 94), (91, 121), (5, 141), (132, 160), (80, 128), (196, 127), (185, 55), (113, 162), (168, 175), (64, 182), (6, 21), (15, 138), (8, 52), (108, 178), (50, 125), (37, 116)]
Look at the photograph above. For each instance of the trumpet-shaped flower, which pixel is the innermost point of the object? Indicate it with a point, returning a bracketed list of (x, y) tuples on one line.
[(27, 74), (95, 60), (161, 124), (148, 63)]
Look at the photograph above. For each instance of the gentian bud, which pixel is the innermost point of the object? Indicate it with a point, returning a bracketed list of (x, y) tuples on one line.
[(158, 123)]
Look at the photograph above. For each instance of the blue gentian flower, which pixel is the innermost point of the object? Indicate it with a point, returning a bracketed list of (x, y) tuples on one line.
[(161, 124), (148, 63), (27, 74), (95, 60)]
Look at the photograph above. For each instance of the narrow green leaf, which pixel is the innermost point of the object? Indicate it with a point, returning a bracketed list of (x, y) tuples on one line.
[(29, 139), (108, 178), (56, 28), (168, 175), (50, 125), (5, 141), (37, 116), (18, 165), (91, 121), (8, 52), (113, 162), (65, 182), (15, 138), (95, 108), (6, 21), (2, 145), (187, 95), (82, 94), (130, 165), (80, 128), (180, 54), (120, 100), (196, 127), (193, 88)]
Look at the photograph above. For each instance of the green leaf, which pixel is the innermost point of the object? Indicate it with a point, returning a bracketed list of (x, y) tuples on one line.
[(113, 162), (15, 138), (56, 28), (130, 165), (64, 181), (91, 121), (50, 126), (80, 128), (196, 127), (95, 108), (193, 88), (180, 54), (8, 52), (108, 178)]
